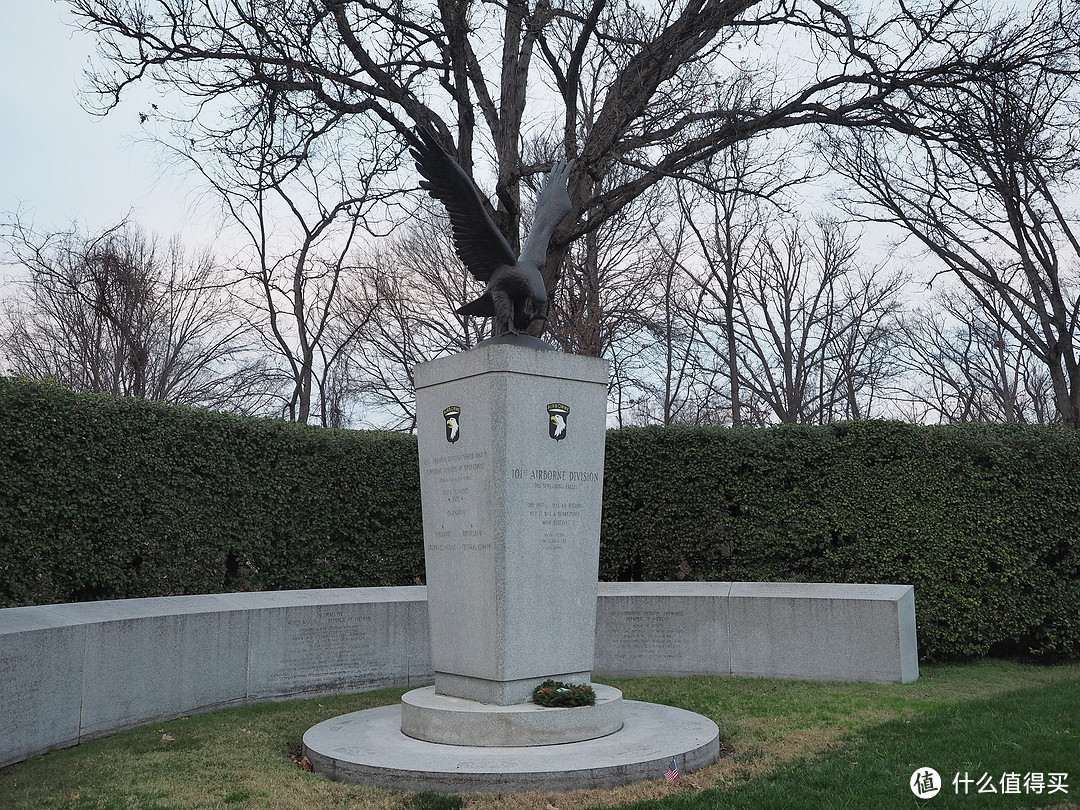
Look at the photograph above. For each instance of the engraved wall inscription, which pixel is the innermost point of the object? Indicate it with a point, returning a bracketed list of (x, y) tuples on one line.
[(648, 636)]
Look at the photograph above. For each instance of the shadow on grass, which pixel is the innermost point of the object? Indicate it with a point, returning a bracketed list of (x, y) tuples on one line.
[(1029, 731)]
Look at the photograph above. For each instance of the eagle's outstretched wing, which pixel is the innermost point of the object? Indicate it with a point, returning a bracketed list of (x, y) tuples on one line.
[(552, 205), (480, 244)]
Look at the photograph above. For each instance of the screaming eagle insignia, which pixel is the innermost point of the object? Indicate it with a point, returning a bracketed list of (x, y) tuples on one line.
[(557, 416), (453, 428)]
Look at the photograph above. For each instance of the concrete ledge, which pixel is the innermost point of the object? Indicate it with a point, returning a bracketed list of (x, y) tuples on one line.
[(73, 672), (823, 631), (77, 671), (502, 693), (818, 631)]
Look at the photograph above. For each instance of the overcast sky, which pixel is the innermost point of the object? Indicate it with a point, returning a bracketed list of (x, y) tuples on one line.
[(61, 163)]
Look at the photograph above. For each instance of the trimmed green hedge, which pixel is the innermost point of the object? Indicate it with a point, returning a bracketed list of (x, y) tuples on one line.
[(983, 520), (105, 498)]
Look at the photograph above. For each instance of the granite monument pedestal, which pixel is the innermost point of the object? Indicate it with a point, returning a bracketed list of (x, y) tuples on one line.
[(511, 444)]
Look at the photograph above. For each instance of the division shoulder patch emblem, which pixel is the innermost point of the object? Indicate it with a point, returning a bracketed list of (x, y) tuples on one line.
[(558, 416), (452, 417)]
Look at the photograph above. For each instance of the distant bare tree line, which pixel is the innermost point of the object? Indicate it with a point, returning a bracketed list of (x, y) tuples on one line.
[(124, 314), (690, 259), (792, 327)]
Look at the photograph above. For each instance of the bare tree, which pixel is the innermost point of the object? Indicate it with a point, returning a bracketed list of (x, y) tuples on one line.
[(801, 314), (409, 284), (604, 295), (610, 300), (648, 90), (672, 384), (863, 359), (964, 366), (119, 313), (301, 211), (727, 204), (675, 328), (981, 183), (797, 329)]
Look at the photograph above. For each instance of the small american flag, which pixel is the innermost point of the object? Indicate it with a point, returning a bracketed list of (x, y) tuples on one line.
[(672, 772)]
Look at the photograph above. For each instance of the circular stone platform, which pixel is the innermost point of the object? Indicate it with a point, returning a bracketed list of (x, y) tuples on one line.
[(369, 747), (436, 718)]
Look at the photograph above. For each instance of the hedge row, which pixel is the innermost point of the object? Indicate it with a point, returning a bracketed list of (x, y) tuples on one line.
[(106, 498), (983, 520)]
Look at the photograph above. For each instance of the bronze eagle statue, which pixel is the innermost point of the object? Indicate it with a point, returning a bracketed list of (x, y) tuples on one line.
[(514, 295)]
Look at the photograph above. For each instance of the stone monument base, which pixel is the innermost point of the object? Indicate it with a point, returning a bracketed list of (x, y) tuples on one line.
[(432, 717), (369, 747)]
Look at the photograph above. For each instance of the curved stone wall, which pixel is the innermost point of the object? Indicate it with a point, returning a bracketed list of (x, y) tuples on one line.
[(74, 672)]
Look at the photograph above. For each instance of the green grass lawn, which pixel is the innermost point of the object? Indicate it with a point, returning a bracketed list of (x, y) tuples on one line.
[(787, 744)]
